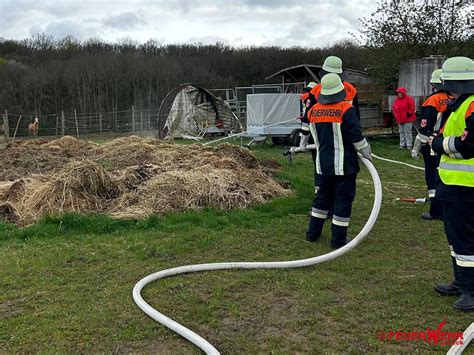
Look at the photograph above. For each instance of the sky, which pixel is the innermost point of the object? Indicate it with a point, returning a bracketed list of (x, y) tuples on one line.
[(283, 23)]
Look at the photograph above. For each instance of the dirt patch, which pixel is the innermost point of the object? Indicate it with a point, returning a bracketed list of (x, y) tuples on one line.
[(128, 177)]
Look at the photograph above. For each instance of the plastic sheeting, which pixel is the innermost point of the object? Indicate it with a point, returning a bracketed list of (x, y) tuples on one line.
[(266, 109)]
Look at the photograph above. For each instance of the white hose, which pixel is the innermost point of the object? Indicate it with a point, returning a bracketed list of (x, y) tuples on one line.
[(398, 162), (202, 343), (248, 131)]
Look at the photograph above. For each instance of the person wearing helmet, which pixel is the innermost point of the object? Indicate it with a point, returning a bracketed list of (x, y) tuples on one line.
[(307, 100), (431, 118), (333, 64), (455, 145), (338, 137)]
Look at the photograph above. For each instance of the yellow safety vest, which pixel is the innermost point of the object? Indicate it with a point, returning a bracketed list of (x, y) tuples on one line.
[(454, 171)]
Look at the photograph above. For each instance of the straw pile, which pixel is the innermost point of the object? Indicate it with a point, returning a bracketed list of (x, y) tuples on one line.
[(128, 177)]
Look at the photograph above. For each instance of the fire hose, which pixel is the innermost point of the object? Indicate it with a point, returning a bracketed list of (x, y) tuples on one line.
[(201, 342)]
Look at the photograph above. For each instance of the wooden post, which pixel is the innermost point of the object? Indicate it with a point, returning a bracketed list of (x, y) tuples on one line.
[(6, 129), (63, 126), (77, 125), (57, 125), (100, 123), (133, 119), (16, 128), (141, 121)]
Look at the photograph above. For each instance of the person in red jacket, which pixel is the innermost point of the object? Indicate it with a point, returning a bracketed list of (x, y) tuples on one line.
[(404, 112)]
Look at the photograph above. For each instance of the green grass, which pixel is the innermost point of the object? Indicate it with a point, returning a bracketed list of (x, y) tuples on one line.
[(66, 282)]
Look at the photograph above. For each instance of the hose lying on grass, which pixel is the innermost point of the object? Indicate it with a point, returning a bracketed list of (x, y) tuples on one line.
[(202, 343)]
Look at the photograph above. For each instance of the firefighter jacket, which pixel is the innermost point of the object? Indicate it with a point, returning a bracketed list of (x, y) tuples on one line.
[(456, 144), (338, 136), (431, 114), (351, 95)]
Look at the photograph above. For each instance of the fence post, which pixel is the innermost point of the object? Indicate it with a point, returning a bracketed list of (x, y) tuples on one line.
[(57, 124), (16, 128), (100, 123), (63, 128), (133, 119), (6, 129), (141, 121), (77, 125)]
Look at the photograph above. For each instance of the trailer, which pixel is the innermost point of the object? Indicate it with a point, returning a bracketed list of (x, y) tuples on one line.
[(274, 115)]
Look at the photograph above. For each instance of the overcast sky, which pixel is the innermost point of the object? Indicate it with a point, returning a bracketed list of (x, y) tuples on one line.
[(313, 23)]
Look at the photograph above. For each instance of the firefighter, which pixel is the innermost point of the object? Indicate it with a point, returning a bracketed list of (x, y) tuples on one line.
[(333, 64), (431, 117), (455, 145), (338, 137), (307, 100)]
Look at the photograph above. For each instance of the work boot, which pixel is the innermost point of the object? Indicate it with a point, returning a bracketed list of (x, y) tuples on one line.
[(465, 302), (311, 238), (447, 289), (428, 216), (337, 246)]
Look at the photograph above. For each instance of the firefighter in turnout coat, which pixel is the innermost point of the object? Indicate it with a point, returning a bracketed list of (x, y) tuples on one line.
[(456, 171), (337, 134), (431, 117)]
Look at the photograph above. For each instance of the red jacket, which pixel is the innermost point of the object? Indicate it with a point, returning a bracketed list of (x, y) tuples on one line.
[(404, 107)]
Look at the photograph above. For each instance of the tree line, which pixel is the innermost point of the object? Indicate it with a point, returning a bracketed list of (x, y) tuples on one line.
[(42, 74)]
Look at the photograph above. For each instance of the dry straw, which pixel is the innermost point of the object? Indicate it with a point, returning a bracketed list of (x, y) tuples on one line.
[(129, 177)]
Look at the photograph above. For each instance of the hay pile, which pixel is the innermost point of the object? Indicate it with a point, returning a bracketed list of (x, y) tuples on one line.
[(128, 177)]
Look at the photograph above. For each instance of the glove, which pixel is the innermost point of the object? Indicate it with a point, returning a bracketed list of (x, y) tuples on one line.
[(416, 148), (304, 138), (366, 152)]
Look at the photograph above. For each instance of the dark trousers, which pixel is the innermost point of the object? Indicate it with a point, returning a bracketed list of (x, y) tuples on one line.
[(337, 190), (458, 220), (431, 178)]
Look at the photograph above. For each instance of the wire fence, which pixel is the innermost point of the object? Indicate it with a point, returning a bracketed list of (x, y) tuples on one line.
[(78, 124)]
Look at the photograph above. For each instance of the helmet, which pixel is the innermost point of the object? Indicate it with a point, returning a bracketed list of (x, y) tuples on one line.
[(333, 64), (311, 85), (332, 89), (435, 76), (458, 75), (458, 68)]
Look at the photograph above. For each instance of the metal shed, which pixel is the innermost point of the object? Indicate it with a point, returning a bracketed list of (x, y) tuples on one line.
[(415, 74)]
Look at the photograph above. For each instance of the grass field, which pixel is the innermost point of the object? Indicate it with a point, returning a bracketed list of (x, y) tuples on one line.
[(66, 282)]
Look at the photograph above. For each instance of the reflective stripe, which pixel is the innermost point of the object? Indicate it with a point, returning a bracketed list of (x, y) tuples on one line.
[(451, 249), (316, 188), (439, 117), (317, 210), (452, 146), (446, 145), (457, 167), (456, 156), (338, 149), (432, 193), (361, 145), (312, 128), (340, 221), (318, 215), (464, 260)]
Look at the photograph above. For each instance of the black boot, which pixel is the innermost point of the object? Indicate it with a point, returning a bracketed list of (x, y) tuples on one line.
[(448, 289), (465, 302)]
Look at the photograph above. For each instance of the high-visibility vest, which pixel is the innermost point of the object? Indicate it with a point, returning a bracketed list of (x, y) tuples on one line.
[(454, 171)]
